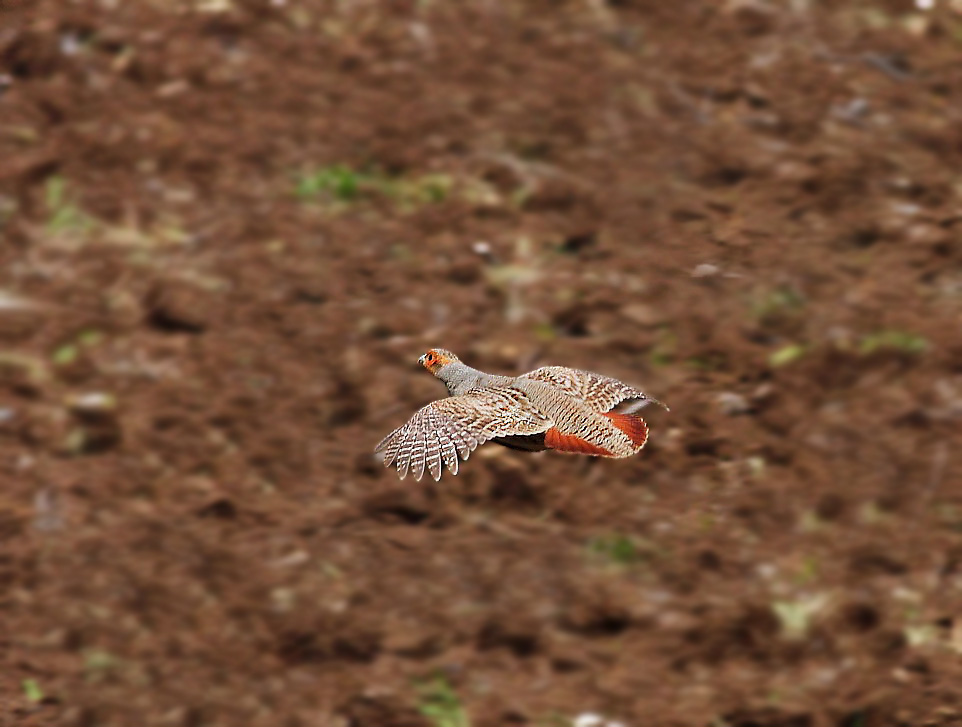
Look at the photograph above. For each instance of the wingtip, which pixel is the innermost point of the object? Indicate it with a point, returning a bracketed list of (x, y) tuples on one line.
[(662, 404)]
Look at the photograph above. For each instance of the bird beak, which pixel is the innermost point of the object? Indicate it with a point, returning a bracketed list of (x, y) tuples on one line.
[(421, 360)]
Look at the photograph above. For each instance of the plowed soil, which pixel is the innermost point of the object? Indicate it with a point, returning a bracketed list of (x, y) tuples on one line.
[(230, 227)]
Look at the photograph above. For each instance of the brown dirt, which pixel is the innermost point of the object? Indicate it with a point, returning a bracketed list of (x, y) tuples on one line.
[(751, 209)]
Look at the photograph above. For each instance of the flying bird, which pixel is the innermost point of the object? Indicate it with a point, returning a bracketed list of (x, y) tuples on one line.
[(553, 407)]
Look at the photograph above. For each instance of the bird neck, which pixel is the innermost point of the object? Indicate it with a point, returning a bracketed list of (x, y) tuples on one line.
[(459, 377)]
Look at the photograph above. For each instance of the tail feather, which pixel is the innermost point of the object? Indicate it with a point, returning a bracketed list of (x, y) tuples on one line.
[(633, 426), (554, 439)]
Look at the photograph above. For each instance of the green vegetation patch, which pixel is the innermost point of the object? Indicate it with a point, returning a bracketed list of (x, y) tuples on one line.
[(32, 690), (786, 355), (64, 216), (620, 549), (893, 341), (342, 185), (778, 302), (441, 704)]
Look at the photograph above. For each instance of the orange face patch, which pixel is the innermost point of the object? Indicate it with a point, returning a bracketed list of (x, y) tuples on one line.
[(432, 360)]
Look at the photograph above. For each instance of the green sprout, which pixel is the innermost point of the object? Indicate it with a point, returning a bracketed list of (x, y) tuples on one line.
[(65, 355), (622, 550), (65, 215), (780, 300), (893, 341), (32, 690), (440, 704), (340, 182), (99, 663), (786, 355), (796, 616)]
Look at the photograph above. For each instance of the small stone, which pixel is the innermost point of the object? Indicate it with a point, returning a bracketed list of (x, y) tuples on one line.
[(589, 719), (482, 249), (732, 403), (96, 402), (173, 88), (705, 270), (11, 302), (923, 233), (795, 172), (642, 314)]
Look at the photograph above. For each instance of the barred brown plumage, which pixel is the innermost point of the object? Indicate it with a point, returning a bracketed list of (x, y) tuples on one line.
[(558, 408)]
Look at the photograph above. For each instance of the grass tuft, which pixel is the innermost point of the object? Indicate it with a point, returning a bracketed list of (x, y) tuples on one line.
[(338, 182)]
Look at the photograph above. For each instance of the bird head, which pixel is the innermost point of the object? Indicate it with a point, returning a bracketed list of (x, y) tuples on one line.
[(437, 358)]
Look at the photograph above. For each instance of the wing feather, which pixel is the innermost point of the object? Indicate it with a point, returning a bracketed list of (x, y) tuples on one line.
[(447, 448), (444, 430), (601, 393)]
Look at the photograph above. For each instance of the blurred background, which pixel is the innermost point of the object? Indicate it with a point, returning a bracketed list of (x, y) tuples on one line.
[(230, 227)]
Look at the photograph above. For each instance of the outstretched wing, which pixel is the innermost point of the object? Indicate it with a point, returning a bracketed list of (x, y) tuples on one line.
[(601, 393), (448, 428)]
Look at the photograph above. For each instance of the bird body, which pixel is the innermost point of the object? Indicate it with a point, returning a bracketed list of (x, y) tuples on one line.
[(553, 407)]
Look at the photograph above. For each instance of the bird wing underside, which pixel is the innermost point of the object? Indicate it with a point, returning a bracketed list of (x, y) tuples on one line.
[(444, 430), (523, 442), (600, 393)]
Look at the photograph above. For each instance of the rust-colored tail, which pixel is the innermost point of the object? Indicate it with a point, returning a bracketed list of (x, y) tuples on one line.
[(633, 426), (553, 439)]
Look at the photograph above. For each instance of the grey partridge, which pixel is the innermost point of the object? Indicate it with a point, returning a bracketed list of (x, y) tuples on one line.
[(553, 407)]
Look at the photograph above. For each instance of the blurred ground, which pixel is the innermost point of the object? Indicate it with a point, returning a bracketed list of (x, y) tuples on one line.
[(229, 229)]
